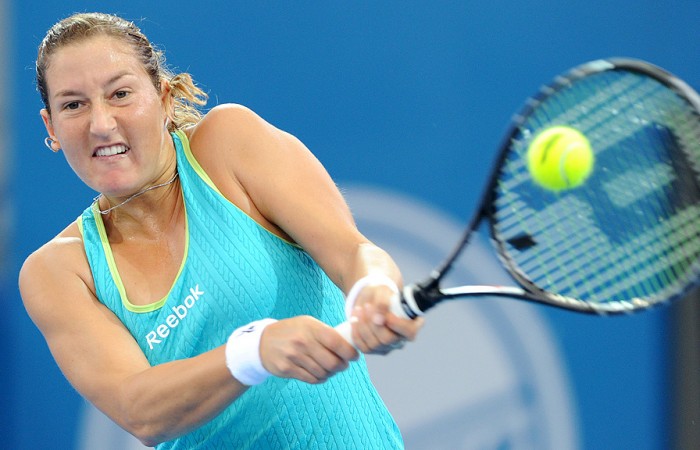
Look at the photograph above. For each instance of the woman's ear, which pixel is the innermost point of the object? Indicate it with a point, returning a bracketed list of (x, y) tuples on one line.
[(51, 141), (46, 117)]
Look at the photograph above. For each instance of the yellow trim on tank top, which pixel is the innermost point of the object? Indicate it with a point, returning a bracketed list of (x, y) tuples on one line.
[(116, 277), (205, 177)]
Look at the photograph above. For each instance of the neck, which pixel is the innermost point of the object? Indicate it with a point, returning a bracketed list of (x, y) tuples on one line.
[(151, 216), (137, 194)]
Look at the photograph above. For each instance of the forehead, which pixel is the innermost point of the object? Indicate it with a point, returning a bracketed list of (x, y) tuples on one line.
[(91, 60)]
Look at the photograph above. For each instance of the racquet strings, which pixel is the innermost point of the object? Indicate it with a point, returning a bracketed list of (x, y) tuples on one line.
[(631, 233)]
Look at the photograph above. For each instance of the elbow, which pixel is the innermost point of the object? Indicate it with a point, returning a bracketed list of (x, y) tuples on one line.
[(146, 433), (149, 442), (135, 420), (143, 431)]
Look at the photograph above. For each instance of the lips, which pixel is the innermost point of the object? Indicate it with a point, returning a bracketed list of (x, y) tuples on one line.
[(111, 150)]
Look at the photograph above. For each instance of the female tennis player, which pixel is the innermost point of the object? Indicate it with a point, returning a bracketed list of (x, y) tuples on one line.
[(193, 301)]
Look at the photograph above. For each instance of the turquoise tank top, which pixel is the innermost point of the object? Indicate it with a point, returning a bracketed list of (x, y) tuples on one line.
[(233, 272)]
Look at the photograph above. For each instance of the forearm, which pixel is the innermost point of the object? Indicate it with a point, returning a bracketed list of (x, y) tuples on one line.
[(172, 399)]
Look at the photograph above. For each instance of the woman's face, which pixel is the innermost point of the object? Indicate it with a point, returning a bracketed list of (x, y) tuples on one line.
[(107, 116)]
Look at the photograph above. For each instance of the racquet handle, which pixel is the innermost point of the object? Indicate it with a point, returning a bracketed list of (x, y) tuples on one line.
[(402, 305)]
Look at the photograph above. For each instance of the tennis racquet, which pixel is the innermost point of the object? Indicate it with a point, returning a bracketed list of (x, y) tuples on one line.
[(629, 237)]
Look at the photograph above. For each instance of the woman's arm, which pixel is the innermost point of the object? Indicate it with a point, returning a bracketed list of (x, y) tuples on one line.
[(103, 362), (275, 179)]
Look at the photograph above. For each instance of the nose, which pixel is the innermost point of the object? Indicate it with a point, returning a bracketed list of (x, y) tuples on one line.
[(102, 120)]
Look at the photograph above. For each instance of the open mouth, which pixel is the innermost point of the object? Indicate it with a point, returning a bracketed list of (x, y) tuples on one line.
[(111, 150)]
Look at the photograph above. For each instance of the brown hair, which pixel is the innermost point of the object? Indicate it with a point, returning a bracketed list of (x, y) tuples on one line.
[(185, 96)]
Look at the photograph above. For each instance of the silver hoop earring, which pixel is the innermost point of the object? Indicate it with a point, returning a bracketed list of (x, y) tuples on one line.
[(48, 142)]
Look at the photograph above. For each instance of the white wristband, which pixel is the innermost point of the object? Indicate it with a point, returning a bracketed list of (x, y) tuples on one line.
[(373, 279), (243, 353)]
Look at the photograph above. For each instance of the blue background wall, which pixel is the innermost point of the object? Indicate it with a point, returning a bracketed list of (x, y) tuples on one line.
[(411, 96)]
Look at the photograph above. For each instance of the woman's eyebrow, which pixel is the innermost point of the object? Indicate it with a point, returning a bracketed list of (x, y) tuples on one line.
[(72, 92)]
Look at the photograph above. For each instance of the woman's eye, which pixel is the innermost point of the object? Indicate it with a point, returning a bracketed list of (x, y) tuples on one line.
[(121, 94)]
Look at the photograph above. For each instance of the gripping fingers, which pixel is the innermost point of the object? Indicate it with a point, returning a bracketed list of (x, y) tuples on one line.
[(371, 333), (305, 349), (318, 370), (307, 367), (407, 328)]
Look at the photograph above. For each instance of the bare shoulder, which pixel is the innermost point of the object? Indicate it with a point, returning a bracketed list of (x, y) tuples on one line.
[(56, 266), (236, 147), (66, 248), (228, 126)]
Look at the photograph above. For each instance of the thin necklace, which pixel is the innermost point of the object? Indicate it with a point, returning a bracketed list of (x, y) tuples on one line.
[(141, 192)]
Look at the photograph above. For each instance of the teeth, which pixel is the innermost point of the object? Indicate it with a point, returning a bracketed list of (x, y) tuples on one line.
[(111, 150)]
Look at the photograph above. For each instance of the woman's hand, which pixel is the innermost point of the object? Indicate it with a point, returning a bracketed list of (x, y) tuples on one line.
[(375, 329), (304, 348)]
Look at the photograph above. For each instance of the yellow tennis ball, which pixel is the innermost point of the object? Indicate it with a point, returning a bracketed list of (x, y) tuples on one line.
[(560, 158)]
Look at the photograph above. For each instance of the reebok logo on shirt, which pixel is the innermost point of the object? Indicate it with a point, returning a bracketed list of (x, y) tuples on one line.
[(162, 331)]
